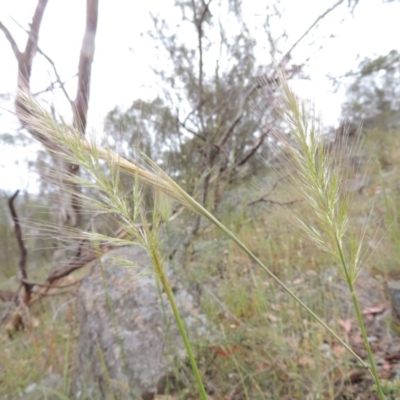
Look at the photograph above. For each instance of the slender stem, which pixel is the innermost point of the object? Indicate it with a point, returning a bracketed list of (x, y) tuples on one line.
[(195, 206), (280, 283), (371, 360), (189, 202), (164, 281), (349, 280)]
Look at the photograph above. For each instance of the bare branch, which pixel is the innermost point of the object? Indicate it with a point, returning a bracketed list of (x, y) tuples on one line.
[(18, 233), (194, 133), (76, 263), (24, 70), (53, 86), (51, 62), (225, 136), (53, 286), (254, 148), (267, 81), (59, 81), (183, 124), (11, 40), (264, 197), (286, 57)]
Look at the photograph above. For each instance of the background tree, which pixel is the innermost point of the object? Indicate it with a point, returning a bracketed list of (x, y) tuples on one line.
[(373, 97), (216, 109), (70, 212), (70, 208), (215, 112)]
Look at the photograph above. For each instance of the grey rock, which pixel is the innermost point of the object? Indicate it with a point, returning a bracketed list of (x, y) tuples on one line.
[(394, 291), (129, 343)]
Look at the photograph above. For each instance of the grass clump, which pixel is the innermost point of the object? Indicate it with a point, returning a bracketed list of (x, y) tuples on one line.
[(249, 302)]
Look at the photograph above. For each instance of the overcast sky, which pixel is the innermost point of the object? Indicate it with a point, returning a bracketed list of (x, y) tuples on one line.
[(124, 54)]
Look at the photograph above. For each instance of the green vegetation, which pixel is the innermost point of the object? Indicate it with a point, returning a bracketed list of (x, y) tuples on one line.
[(272, 346), (276, 254)]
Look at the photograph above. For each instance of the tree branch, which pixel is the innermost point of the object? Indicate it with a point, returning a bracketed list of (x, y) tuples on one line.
[(52, 63), (269, 81), (22, 260), (58, 78), (81, 102), (286, 57), (239, 115), (254, 148), (26, 58), (24, 71), (11, 40)]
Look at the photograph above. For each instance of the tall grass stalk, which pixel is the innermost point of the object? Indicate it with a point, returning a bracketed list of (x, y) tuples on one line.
[(320, 176), (68, 144), (162, 276), (114, 202)]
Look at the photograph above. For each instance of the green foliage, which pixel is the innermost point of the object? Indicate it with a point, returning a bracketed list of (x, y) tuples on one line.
[(373, 96), (130, 128), (29, 358), (318, 182), (270, 349)]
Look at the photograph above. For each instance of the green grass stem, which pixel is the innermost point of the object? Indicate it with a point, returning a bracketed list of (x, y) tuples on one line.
[(158, 265)]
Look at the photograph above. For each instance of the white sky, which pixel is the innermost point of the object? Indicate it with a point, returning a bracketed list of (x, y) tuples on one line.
[(123, 57)]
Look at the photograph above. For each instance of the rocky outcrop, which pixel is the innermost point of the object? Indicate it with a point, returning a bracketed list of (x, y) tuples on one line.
[(129, 344)]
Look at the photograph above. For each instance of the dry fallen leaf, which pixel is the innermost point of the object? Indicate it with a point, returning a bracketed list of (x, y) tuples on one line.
[(272, 317), (345, 324), (373, 310), (338, 350), (306, 361), (387, 367)]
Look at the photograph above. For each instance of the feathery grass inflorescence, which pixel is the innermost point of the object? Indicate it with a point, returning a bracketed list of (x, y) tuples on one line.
[(69, 145), (321, 173)]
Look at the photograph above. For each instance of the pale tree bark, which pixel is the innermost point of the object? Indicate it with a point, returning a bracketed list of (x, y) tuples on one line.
[(70, 205)]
